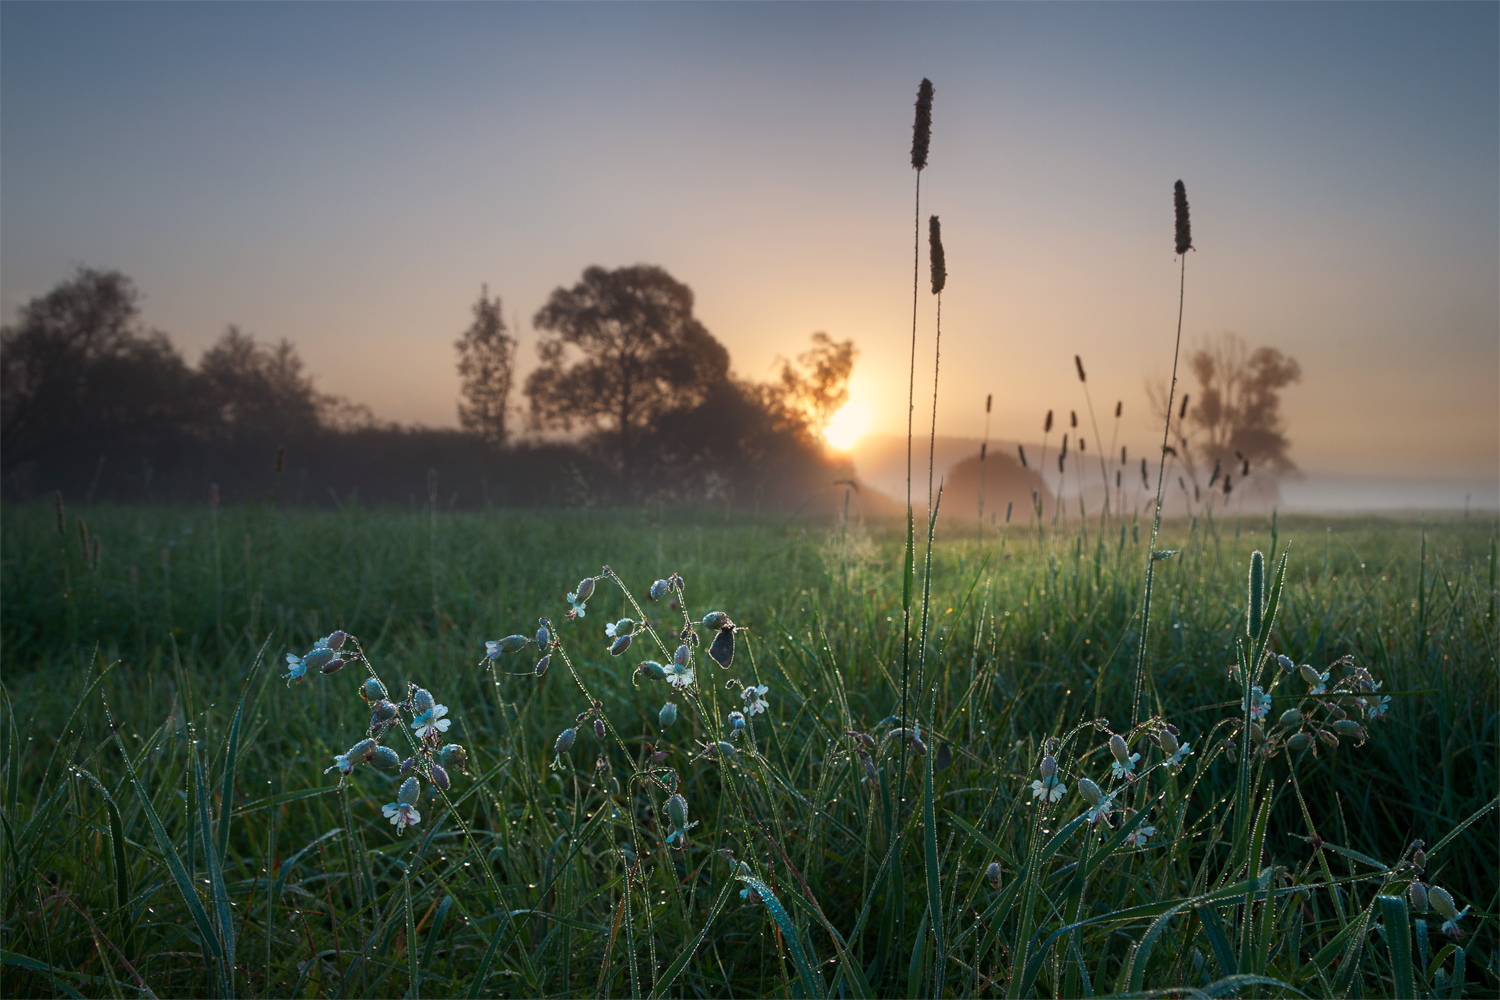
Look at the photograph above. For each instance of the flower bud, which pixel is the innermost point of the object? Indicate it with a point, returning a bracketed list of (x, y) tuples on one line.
[(1328, 738), (543, 638), (1442, 903), (599, 730), (1291, 717), (372, 690), (682, 656), (585, 589), (440, 777), (1418, 896), (454, 756), (918, 747), (715, 619), (1257, 734), (1049, 767), (658, 590), (1119, 749), (407, 765), (1168, 742), (1298, 741), (1349, 728), (667, 715), (723, 750), (411, 790), (871, 771), (421, 701), (993, 874), (564, 741), (1090, 791), (361, 751), (509, 644), (381, 712), (621, 643), (385, 758), (1419, 858), (1229, 751), (660, 755), (333, 666), (542, 665), (651, 670), (336, 639), (677, 811), (1310, 675), (1285, 662)]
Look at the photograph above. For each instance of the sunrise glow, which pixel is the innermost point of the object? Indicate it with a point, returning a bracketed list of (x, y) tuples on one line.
[(847, 426)]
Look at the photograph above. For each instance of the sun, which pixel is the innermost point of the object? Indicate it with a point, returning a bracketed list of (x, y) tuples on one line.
[(847, 426)]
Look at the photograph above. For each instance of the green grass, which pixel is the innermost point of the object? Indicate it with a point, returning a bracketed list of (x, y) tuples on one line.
[(168, 825)]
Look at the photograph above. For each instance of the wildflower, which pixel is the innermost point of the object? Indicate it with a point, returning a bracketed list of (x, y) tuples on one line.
[(992, 872), (372, 690), (679, 675), (1139, 836), (453, 755), (736, 723), (563, 745), (658, 590), (357, 754), (1376, 707), (1259, 704), (682, 656), (716, 620), (403, 812), (430, 718), (580, 596), (421, 701), (651, 670), (667, 715), (509, 644), (296, 668), (1318, 683), (677, 814), (1444, 905), (755, 701), (382, 714), (625, 626), (1101, 804), (1179, 756), (1124, 764), (1048, 789), (385, 758)]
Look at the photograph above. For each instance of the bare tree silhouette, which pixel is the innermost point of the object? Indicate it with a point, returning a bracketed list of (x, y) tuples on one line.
[(486, 370)]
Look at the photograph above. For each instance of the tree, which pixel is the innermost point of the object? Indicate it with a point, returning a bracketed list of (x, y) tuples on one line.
[(78, 375), (642, 355), (810, 393), (261, 394), (486, 370)]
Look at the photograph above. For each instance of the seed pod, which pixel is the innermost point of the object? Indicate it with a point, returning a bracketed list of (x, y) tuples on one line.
[(564, 741), (682, 656), (1285, 662), (1090, 792), (599, 730), (621, 643), (667, 715), (1310, 675), (1417, 893), (1442, 903), (870, 770), (385, 758), (1328, 738), (1419, 858), (333, 666), (336, 639), (1291, 717), (381, 712), (1298, 742), (407, 765), (1049, 767), (1229, 751), (722, 650), (421, 701), (651, 670), (1349, 728), (544, 638), (993, 874), (454, 756), (677, 811), (372, 690), (1336, 712), (543, 664), (361, 751), (944, 758), (659, 755), (411, 790), (1257, 734), (1168, 742), (440, 777), (918, 747), (658, 590), (1119, 749), (319, 657), (585, 589)]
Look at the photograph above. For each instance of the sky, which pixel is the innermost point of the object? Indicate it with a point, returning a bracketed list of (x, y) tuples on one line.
[(348, 176)]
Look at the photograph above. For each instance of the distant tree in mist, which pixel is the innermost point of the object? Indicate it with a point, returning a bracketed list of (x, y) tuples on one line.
[(627, 351), (810, 392), (78, 374), (1234, 413), (260, 391), (486, 371)]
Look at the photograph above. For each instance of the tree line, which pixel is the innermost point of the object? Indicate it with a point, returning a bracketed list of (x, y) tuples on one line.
[(633, 402)]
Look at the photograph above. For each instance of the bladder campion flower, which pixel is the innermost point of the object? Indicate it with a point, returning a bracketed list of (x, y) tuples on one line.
[(1141, 834), (1318, 683), (403, 812), (1124, 763), (677, 814), (1100, 804), (357, 754), (430, 717), (1447, 909), (679, 675), (754, 696), (509, 644), (1259, 703), (667, 715), (579, 598), (736, 723)]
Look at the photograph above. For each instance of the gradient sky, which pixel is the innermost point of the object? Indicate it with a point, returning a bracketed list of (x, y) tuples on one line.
[(347, 175)]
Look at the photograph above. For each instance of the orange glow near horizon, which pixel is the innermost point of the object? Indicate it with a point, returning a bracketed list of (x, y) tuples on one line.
[(847, 426)]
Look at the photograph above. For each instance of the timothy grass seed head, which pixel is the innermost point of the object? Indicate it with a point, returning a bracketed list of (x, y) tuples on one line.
[(939, 265), (921, 130), (1184, 226)]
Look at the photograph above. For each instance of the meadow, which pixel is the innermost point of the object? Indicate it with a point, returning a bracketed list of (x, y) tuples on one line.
[(170, 828)]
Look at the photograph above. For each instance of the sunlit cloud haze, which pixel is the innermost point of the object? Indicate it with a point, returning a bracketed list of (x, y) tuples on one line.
[(347, 176)]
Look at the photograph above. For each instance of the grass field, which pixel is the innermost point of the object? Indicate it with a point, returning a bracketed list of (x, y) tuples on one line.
[(170, 828)]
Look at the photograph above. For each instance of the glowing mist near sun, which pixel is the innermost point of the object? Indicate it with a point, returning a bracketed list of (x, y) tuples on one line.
[(847, 426)]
